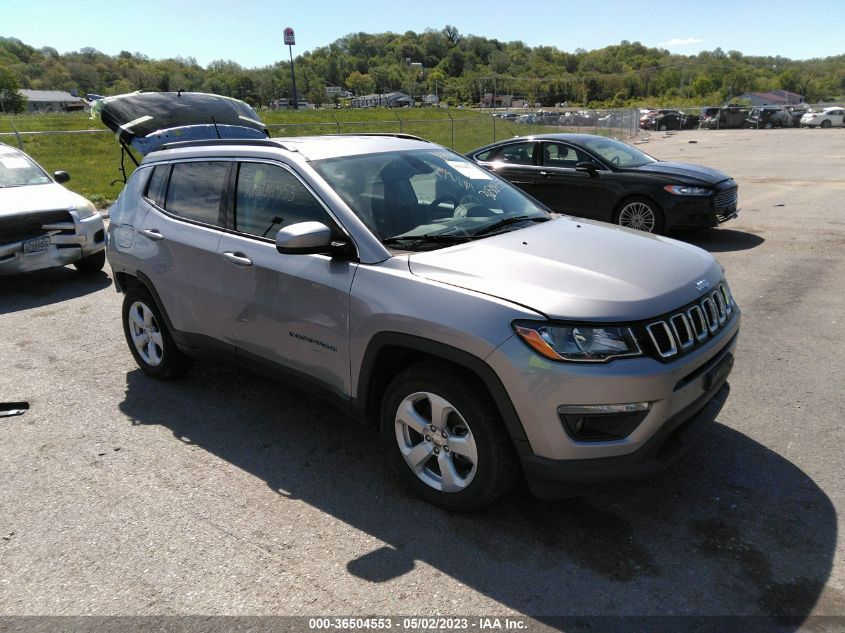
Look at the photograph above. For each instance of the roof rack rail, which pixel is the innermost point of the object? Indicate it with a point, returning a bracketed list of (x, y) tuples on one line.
[(264, 142), (393, 134)]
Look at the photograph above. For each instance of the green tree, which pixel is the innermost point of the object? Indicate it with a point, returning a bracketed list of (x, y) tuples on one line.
[(702, 86), (10, 99), (360, 83)]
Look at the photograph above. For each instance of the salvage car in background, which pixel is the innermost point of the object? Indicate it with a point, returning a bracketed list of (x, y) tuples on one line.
[(673, 121), (648, 118), (604, 179), (829, 117), (767, 118), (727, 117), (42, 224)]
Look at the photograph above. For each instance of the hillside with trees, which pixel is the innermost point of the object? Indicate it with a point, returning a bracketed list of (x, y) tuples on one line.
[(459, 68)]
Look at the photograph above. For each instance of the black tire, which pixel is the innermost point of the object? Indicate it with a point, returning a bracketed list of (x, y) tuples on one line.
[(157, 354), (639, 206), (825, 124), (472, 419), (91, 264)]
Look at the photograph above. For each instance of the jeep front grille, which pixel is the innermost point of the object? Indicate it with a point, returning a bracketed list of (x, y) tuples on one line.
[(693, 325)]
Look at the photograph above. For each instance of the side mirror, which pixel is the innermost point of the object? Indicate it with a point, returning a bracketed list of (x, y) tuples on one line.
[(61, 176), (309, 238), (587, 167)]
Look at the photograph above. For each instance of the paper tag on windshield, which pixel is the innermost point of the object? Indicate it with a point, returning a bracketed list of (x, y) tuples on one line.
[(14, 163), (468, 170)]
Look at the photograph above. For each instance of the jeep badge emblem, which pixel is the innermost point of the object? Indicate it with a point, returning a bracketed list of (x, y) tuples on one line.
[(702, 284)]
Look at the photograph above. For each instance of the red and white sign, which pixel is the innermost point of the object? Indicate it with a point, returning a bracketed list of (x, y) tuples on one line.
[(289, 38)]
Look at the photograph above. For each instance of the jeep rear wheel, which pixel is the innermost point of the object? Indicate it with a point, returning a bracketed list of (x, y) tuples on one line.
[(148, 338), (445, 437)]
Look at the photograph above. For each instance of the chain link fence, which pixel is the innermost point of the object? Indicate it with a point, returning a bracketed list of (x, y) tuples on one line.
[(93, 155)]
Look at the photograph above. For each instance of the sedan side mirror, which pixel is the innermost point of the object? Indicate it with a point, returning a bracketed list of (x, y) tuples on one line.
[(61, 176), (587, 167), (309, 238)]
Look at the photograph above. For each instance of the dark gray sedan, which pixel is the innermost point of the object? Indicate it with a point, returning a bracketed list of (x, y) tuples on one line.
[(604, 179)]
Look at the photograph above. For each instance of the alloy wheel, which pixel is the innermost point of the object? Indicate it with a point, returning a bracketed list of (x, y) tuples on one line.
[(145, 333), (436, 442), (637, 215)]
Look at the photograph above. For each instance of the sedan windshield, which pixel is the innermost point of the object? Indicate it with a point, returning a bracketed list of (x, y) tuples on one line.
[(617, 153), (427, 198), (17, 170)]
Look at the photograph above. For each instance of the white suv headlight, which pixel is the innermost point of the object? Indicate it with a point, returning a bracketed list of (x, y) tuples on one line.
[(579, 343), (86, 210)]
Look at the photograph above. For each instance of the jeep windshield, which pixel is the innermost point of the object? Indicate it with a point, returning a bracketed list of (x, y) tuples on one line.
[(426, 199)]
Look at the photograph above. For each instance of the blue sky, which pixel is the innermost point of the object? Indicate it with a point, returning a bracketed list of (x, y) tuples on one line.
[(252, 35)]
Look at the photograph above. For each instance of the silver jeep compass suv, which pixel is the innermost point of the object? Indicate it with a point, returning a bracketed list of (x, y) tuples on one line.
[(489, 338)]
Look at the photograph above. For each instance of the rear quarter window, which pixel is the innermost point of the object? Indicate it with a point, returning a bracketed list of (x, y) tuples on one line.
[(157, 184)]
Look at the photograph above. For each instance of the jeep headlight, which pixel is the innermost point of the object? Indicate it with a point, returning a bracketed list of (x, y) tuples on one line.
[(86, 210), (579, 343)]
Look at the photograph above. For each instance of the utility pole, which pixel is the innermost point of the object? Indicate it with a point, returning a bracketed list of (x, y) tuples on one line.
[(290, 40)]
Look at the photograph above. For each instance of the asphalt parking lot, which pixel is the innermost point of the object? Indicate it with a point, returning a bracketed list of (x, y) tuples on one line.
[(228, 494)]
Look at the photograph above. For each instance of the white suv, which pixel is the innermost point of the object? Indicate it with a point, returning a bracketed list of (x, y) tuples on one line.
[(42, 224)]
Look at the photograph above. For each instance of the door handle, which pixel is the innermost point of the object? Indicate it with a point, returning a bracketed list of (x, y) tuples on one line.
[(153, 234), (238, 259), (544, 174)]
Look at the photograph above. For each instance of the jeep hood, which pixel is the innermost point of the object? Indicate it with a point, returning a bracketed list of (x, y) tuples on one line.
[(148, 120), (576, 270)]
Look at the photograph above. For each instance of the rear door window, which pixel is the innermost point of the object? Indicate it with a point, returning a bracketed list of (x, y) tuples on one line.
[(513, 153), (196, 191)]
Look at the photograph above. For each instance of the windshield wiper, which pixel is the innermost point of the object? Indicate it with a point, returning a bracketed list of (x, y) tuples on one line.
[(492, 228), (425, 239)]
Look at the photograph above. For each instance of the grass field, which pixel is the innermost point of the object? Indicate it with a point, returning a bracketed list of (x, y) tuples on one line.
[(93, 158)]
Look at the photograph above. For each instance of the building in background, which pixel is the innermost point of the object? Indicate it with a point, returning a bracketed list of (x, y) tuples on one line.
[(775, 97), (388, 100), (52, 101)]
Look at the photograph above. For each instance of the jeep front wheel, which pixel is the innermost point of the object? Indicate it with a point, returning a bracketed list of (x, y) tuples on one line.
[(445, 437)]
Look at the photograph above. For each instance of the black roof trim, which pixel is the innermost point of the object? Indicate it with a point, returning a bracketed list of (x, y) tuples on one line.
[(263, 142), (393, 134)]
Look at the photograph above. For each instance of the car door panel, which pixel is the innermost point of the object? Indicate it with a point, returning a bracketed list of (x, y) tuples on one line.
[(291, 310), (563, 188), (181, 234), (288, 309), (181, 259)]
